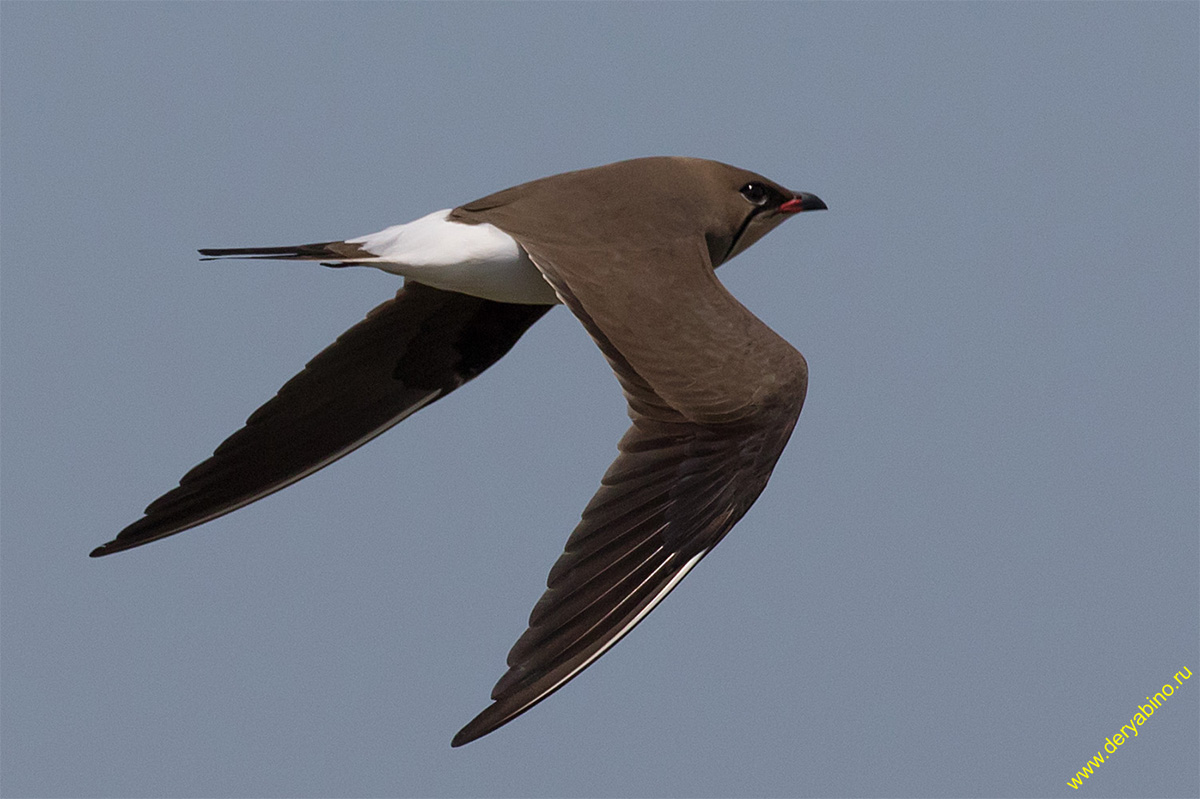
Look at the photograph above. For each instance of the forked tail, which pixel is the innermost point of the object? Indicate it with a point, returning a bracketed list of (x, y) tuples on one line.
[(325, 250)]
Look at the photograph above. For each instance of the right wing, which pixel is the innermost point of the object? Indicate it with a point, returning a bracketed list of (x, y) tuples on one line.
[(407, 353)]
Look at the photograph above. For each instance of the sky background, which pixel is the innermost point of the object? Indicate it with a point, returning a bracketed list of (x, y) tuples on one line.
[(975, 560)]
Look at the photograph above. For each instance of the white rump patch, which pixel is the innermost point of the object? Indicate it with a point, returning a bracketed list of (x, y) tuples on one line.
[(480, 260)]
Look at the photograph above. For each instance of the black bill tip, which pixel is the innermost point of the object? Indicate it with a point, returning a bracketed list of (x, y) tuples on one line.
[(803, 201)]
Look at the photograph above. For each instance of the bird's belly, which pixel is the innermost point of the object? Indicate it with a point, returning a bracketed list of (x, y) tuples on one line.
[(480, 260)]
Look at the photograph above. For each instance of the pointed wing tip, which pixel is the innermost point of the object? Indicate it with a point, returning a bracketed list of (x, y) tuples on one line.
[(119, 544), (478, 727), (126, 539), (116, 545)]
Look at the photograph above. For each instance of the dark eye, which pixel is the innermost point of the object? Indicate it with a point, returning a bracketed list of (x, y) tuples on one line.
[(756, 193)]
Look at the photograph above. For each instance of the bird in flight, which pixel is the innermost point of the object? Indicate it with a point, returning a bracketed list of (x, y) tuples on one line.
[(630, 248)]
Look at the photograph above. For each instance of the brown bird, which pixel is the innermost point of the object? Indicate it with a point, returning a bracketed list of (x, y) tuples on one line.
[(630, 249)]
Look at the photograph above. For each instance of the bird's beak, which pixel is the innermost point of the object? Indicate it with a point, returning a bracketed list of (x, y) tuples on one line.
[(803, 201)]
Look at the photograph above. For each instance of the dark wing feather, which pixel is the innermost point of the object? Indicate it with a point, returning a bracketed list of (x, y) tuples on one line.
[(407, 353), (643, 531), (677, 487)]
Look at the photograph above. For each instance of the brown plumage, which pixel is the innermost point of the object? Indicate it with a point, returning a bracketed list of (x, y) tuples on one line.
[(630, 248)]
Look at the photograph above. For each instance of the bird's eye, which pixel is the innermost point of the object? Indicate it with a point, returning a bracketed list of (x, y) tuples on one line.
[(756, 193)]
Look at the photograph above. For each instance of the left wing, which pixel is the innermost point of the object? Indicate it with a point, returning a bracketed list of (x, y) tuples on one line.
[(687, 470)]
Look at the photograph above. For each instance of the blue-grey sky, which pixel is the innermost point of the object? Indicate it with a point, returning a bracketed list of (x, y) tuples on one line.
[(975, 560)]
